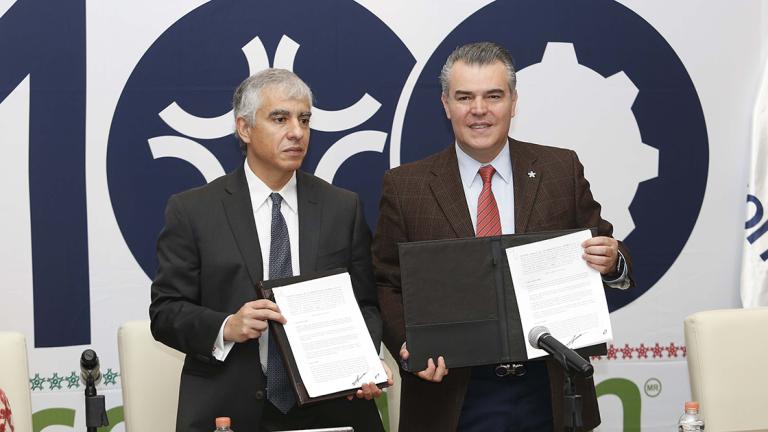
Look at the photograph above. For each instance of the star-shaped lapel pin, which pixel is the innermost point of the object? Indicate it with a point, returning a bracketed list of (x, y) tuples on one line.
[(532, 174)]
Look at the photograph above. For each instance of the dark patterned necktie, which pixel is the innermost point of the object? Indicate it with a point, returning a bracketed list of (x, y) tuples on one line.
[(279, 390), (488, 221)]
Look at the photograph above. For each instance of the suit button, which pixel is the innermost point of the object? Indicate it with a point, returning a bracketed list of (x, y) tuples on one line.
[(259, 394)]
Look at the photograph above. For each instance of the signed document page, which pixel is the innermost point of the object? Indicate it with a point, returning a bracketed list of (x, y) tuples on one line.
[(328, 336), (555, 288)]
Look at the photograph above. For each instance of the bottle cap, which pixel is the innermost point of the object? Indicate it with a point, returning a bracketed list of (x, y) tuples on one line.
[(222, 421), (692, 405)]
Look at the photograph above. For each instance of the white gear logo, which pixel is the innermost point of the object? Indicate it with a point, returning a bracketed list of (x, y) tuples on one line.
[(565, 104), (223, 125)]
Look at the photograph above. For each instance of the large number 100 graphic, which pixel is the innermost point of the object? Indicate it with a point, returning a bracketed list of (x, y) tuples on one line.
[(52, 70), (43, 62), (43, 52)]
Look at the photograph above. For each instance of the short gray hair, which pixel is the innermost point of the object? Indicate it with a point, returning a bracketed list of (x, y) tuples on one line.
[(248, 95), (481, 54)]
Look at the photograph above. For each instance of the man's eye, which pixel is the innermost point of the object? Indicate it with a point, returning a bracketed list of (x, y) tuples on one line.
[(305, 121), (279, 119), (462, 98)]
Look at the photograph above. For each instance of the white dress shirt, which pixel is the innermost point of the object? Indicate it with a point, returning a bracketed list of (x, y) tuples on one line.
[(262, 214), (501, 185)]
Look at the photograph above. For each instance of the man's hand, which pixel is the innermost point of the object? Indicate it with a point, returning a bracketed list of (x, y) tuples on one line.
[(602, 254), (370, 390), (251, 320), (433, 373)]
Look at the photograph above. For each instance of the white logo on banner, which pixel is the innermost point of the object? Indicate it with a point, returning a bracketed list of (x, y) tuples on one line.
[(216, 127), (589, 122)]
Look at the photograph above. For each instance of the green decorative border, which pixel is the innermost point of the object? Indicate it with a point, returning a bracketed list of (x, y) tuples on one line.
[(69, 382)]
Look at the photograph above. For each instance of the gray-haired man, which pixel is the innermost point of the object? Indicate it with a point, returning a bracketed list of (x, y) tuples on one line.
[(265, 220)]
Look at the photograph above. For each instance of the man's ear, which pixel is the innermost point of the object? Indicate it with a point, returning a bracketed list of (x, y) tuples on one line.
[(514, 102), (444, 100), (243, 130)]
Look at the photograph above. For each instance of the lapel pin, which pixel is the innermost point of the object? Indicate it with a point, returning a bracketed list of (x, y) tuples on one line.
[(532, 174)]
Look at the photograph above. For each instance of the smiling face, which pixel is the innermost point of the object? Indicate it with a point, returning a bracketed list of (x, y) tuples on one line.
[(278, 138), (480, 105)]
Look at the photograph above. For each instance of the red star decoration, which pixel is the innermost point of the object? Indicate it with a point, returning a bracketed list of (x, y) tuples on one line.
[(6, 422), (683, 350), (626, 352), (642, 351), (671, 350), (612, 352), (656, 350)]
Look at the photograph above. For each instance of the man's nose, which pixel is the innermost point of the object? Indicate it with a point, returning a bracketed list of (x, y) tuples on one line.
[(296, 131), (479, 106)]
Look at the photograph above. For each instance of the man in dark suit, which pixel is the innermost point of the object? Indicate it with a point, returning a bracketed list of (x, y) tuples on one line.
[(483, 185), (265, 220)]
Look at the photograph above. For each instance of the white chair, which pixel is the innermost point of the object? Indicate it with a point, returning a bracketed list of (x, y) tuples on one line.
[(727, 354), (150, 374), (14, 378)]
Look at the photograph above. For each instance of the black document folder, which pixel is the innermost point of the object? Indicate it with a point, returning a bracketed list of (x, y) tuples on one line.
[(459, 301), (276, 330)]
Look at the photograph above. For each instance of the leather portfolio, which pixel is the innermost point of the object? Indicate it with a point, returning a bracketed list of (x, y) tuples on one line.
[(459, 301), (266, 290)]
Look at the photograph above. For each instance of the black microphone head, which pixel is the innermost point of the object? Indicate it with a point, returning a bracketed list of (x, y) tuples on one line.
[(89, 366), (535, 334), (89, 359)]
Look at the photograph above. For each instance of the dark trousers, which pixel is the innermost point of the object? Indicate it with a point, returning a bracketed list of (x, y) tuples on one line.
[(359, 413), (507, 404)]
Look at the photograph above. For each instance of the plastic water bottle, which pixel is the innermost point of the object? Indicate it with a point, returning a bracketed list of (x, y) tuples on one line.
[(691, 420), (223, 424)]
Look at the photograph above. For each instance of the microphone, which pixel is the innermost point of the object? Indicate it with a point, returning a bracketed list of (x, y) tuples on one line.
[(539, 337), (89, 367), (95, 411)]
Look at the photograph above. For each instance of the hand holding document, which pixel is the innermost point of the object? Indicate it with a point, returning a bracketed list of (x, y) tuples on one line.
[(555, 288), (327, 335)]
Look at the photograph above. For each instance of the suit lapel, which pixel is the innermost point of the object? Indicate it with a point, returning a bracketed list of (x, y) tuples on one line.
[(310, 212), (526, 187), (449, 193), (239, 211)]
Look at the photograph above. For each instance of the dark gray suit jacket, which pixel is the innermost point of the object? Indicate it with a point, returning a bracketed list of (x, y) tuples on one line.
[(424, 200), (209, 262)]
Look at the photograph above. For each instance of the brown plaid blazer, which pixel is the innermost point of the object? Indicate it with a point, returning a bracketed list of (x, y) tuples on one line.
[(424, 200)]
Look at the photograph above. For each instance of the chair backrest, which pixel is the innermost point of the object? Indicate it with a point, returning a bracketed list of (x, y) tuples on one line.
[(14, 378), (150, 374), (727, 353)]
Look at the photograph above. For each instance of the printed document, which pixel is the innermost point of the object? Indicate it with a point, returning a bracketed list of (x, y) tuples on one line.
[(328, 336), (555, 288)]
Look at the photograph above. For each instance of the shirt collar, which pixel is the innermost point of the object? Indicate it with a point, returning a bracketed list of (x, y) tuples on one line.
[(260, 192), (468, 166)]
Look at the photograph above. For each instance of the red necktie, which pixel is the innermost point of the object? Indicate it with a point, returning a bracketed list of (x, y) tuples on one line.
[(488, 221)]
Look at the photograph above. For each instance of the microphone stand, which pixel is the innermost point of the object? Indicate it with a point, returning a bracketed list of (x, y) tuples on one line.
[(95, 409), (572, 401)]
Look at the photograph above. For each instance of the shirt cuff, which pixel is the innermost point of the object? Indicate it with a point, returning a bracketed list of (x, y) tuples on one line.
[(621, 282), (220, 348)]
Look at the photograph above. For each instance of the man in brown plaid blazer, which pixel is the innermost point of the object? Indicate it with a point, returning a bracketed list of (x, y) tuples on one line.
[(455, 193)]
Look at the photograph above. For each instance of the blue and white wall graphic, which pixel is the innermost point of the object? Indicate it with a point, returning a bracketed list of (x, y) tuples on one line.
[(172, 129), (107, 108), (641, 133)]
